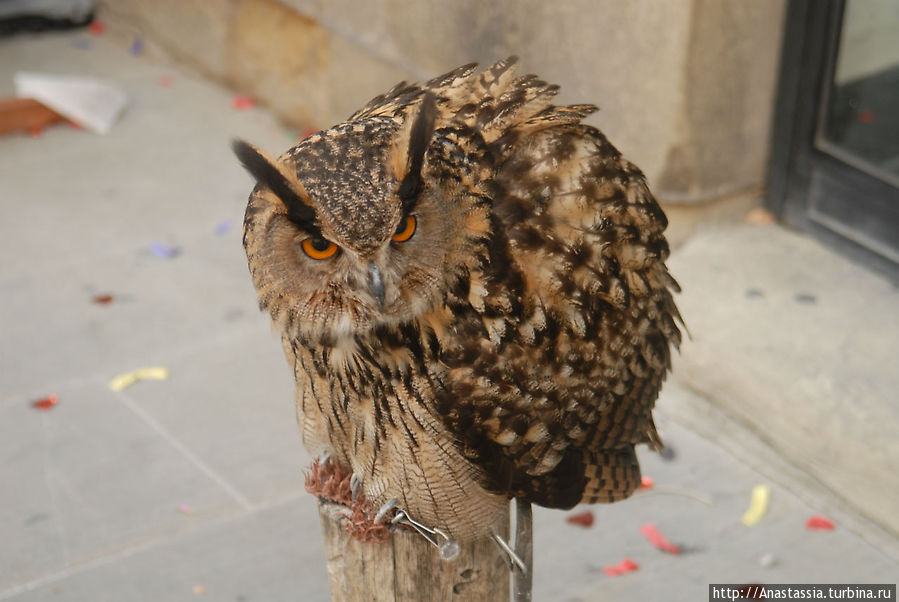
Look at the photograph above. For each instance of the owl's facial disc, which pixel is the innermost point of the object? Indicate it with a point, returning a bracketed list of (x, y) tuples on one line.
[(357, 233)]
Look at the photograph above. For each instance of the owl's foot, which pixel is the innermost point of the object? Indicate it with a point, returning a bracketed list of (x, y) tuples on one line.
[(327, 480)]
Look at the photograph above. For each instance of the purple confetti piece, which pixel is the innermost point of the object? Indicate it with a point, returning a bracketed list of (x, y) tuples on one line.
[(223, 227), (161, 250), (137, 47)]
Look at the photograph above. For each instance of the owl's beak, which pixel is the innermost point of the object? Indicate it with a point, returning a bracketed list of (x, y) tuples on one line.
[(376, 283)]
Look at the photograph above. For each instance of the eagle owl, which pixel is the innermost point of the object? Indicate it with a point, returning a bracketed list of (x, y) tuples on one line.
[(471, 290)]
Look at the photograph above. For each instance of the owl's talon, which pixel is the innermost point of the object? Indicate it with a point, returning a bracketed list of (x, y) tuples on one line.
[(509, 554), (385, 510), (355, 484)]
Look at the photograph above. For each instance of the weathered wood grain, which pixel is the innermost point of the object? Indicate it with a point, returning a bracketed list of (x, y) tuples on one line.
[(409, 569)]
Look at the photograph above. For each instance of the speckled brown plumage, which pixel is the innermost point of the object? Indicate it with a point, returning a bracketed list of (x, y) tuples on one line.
[(515, 345)]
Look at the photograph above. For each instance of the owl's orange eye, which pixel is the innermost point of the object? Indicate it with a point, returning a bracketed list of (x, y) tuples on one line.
[(405, 230), (319, 248)]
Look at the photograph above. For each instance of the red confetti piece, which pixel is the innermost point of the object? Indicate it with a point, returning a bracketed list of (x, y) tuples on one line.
[(646, 483), (165, 81), (103, 299), (36, 132), (45, 403), (306, 133), (819, 523), (96, 28), (241, 102), (651, 533), (866, 116), (625, 566), (582, 519)]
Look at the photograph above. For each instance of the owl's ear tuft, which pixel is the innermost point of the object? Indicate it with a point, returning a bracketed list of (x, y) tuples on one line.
[(277, 179), (410, 151)]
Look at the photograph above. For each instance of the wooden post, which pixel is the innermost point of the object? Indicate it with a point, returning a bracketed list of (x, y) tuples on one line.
[(407, 568)]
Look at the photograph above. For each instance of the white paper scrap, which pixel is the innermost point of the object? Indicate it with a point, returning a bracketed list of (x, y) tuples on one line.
[(89, 102)]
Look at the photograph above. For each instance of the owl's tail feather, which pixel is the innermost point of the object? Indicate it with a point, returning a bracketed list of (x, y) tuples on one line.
[(612, 475)]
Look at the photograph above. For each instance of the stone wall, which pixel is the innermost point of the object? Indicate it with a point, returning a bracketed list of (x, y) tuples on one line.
[(685, 87)]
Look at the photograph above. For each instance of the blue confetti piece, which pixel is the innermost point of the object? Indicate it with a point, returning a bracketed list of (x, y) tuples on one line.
[(223, 227), (137, 47), (160, 250)]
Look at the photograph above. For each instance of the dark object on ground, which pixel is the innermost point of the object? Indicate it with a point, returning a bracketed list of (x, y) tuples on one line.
[(18, 16)]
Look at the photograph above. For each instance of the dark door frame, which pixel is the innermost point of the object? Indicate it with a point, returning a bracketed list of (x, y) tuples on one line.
[(811, 185)]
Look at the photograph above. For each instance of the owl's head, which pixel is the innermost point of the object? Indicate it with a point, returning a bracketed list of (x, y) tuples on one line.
[(365, 224)]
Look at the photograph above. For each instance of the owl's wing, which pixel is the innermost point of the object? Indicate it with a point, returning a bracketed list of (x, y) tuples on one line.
[(565, 335)]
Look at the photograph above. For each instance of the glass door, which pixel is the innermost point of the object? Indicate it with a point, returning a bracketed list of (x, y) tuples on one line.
[(835, 155)]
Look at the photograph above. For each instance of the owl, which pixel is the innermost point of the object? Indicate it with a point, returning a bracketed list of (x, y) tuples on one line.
[(471, 291)]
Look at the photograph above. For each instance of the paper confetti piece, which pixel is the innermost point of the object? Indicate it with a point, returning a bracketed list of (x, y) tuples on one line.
[(758, 505), (307, 132), (160, 250), (137, 46), (768, 560), (123, 381), (164, 81), (667, 452), (222, 227), (625, 566), (242, 102), (582, 519), (102, 299), (185, 509), (819, 522), (866, 116), (45, 403), (651, 533), (81, 43), (96, 28), (199, 590), (646, 483)]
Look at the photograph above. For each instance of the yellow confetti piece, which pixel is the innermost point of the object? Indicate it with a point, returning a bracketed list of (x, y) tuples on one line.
[(123, 381), (758, 505)]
